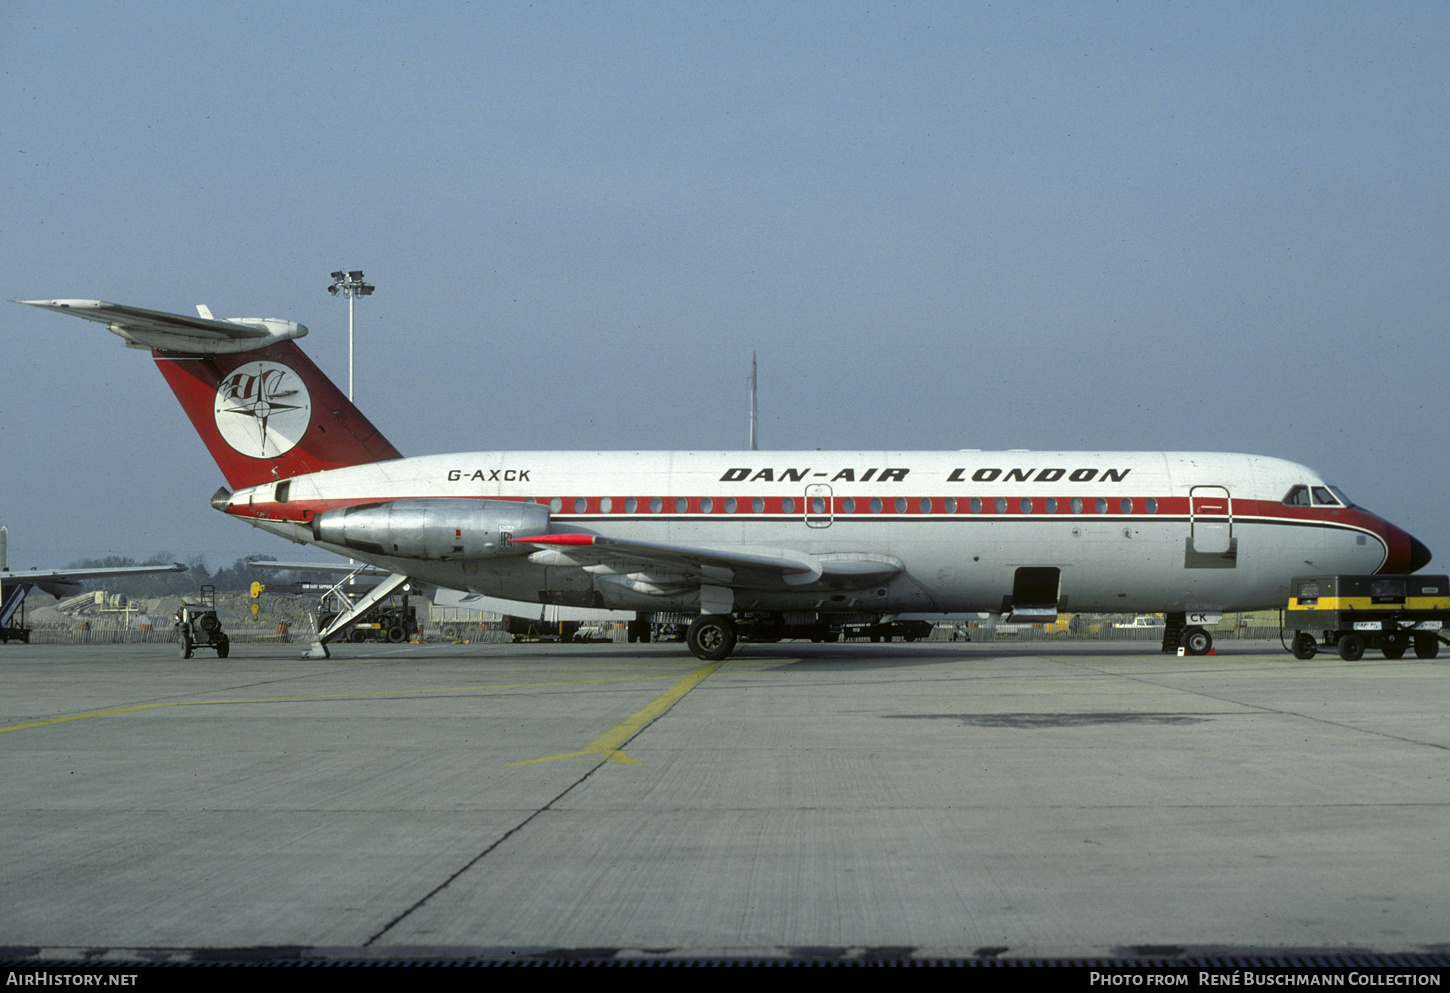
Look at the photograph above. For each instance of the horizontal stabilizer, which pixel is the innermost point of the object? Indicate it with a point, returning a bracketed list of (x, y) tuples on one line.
[(178, 333)]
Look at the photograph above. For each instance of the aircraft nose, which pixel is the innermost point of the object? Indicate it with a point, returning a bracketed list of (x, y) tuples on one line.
[(1419, 555)]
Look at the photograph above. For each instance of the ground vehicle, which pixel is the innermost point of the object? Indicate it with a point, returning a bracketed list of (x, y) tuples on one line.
[(1143, 623), (392, 623), (1358, 612), (197, 626)]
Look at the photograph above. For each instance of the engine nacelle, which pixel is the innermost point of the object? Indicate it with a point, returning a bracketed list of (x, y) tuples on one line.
[(433, 529)]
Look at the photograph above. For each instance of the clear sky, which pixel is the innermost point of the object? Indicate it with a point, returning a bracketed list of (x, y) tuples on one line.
[(1094, 225)]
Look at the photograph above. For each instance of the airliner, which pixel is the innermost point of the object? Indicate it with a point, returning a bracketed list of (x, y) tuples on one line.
[(16, 586), (811, 538)]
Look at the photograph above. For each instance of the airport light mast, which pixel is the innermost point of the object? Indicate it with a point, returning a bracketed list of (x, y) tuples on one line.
[(351, 285), (753, 445)]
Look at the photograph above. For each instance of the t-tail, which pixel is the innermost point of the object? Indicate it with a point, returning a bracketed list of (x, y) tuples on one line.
[(263, 408)]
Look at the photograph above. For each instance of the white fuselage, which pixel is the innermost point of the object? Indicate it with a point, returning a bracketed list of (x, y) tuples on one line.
[(1127, 531)]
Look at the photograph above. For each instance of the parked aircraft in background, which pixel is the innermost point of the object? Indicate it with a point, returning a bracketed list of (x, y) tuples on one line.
[(799, 537), (16, 586)]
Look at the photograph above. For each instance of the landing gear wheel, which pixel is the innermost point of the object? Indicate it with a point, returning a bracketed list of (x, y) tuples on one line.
[(1394, 647), (1351, 648), (1196, 641), (1427, 646), (711, 637), (1304, 646), (223, 647), (184, 639)]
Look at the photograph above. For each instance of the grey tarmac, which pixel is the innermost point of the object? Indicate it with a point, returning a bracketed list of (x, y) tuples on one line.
[(1010, 799)]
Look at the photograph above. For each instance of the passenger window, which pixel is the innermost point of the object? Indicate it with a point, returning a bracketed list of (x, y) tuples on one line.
[(729, 505), (706, 505), (788, 505), (1001, 505), (630, 505), (848, 506), (975, 506), (758, 505), (656, 505), (681, 505)]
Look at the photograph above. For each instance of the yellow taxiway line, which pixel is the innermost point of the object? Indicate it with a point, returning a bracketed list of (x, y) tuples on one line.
[(319, 696), (607, 746)]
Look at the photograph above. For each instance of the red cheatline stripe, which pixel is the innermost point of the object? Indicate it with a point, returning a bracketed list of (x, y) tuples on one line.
[(558, 539)]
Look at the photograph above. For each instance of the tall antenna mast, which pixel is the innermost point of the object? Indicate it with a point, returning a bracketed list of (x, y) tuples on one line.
[(753, 445)]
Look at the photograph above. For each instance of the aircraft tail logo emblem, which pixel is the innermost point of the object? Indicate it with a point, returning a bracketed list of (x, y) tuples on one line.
[(262, 409)]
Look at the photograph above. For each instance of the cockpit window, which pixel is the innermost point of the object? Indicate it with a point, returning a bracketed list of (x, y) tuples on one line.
[(1339, 495), (1323, 498), (1297, 497)]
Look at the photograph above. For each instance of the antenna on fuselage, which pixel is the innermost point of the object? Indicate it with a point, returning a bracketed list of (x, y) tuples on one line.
[(753, 445)]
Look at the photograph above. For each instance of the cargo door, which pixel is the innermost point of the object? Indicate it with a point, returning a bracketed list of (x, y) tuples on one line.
[(1035, 592)]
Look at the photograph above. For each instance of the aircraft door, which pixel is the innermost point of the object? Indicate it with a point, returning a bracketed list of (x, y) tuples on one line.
[(818, 505), (1036, 593), (1210, 514)]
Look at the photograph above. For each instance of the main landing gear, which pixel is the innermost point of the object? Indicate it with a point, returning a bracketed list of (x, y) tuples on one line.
[(711, 637), (1177, 633)]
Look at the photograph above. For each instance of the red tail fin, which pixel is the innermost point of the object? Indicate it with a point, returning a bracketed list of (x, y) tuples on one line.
[(270, 414)]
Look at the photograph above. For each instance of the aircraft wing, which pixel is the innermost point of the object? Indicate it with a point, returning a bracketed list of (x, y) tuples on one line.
[(63, 582), (342, 567), (656, 567), (177, 332)]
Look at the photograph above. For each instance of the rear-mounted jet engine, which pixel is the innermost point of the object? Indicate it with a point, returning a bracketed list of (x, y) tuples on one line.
[(432, 529)]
